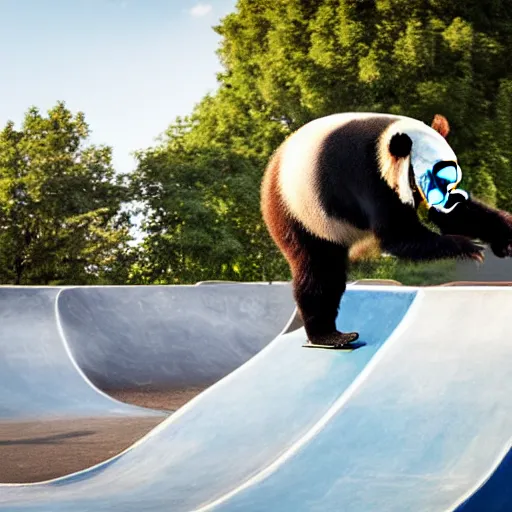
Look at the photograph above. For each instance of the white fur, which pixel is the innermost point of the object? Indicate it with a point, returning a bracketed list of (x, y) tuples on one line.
[(297, 179), (404, 186), (394, 171), (428, 147)]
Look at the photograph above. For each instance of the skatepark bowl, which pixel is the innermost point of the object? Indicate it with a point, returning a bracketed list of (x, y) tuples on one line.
[(417, 416)]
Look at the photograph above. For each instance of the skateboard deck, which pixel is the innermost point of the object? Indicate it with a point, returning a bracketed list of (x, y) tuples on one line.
[(348, 347)]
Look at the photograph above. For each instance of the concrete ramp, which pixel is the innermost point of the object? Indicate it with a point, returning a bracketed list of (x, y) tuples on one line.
[(422, 429), (60, 347), (233, 430), (160, 337), (38, 377), (419, 418)]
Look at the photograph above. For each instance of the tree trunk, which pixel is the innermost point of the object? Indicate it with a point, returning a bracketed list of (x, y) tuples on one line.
[(18, 268)]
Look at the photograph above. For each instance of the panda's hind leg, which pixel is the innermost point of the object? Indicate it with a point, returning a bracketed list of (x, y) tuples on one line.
[(319, 267), (319, 270)]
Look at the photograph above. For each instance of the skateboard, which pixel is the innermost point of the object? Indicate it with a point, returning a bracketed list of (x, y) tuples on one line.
[(347, 347)]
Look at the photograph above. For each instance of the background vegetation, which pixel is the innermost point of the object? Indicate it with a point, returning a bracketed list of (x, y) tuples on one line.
[(65, 215)]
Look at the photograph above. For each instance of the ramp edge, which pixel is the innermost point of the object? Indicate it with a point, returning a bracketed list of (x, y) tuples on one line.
[(338, 404), (464, 502)]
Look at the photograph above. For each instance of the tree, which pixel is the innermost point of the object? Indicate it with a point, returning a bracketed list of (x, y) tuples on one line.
[(60, 220), (417, 58), (287, 62), (200, 195)]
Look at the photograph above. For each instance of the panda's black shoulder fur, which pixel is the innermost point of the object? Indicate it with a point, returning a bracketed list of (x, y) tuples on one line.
[(348, 173)]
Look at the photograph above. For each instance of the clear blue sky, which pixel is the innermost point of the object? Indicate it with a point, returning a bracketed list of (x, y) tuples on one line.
[(131, 66)]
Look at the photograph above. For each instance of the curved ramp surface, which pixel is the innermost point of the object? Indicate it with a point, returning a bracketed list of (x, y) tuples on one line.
[(423, 431), (494, 495), (170, 336), (38, 378), (232, 431)]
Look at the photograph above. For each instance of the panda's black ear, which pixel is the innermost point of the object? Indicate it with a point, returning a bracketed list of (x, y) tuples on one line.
[(400, 145)]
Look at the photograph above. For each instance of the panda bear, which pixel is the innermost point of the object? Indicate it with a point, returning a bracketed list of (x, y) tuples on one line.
[(345, 177)]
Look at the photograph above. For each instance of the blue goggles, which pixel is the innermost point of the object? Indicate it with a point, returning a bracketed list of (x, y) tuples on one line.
[(437, 180)]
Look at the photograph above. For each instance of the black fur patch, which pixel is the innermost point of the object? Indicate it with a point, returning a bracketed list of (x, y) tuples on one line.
[(348, 171), (477, 220), (319, 281), (400, 145), (415, 191), (318, 267)]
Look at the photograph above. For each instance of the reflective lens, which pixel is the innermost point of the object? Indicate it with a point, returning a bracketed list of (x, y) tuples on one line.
[(448, 174), (435, 196)]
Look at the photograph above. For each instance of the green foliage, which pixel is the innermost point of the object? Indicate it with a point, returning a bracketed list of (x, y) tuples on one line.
[(287, 62), (407, 273), (200, 197), (59, 203)]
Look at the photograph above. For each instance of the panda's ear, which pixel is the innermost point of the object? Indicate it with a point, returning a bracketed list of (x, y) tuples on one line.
[(440, 124), (400, 145)]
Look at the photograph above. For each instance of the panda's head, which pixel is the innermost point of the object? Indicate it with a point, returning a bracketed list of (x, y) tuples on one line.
[(432, 163)]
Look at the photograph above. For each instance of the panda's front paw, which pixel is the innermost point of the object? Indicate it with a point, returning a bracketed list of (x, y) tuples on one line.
[(502, 249), (465, 248)]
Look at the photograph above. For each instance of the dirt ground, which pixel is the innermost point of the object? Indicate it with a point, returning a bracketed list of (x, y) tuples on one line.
[(166, 400), (37, 451)]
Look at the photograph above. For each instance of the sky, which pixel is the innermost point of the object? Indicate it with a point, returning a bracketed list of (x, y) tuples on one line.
[(131, 66)]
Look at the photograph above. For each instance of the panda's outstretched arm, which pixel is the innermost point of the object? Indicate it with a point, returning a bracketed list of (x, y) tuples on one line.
[(476, 220), (402, 234)]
